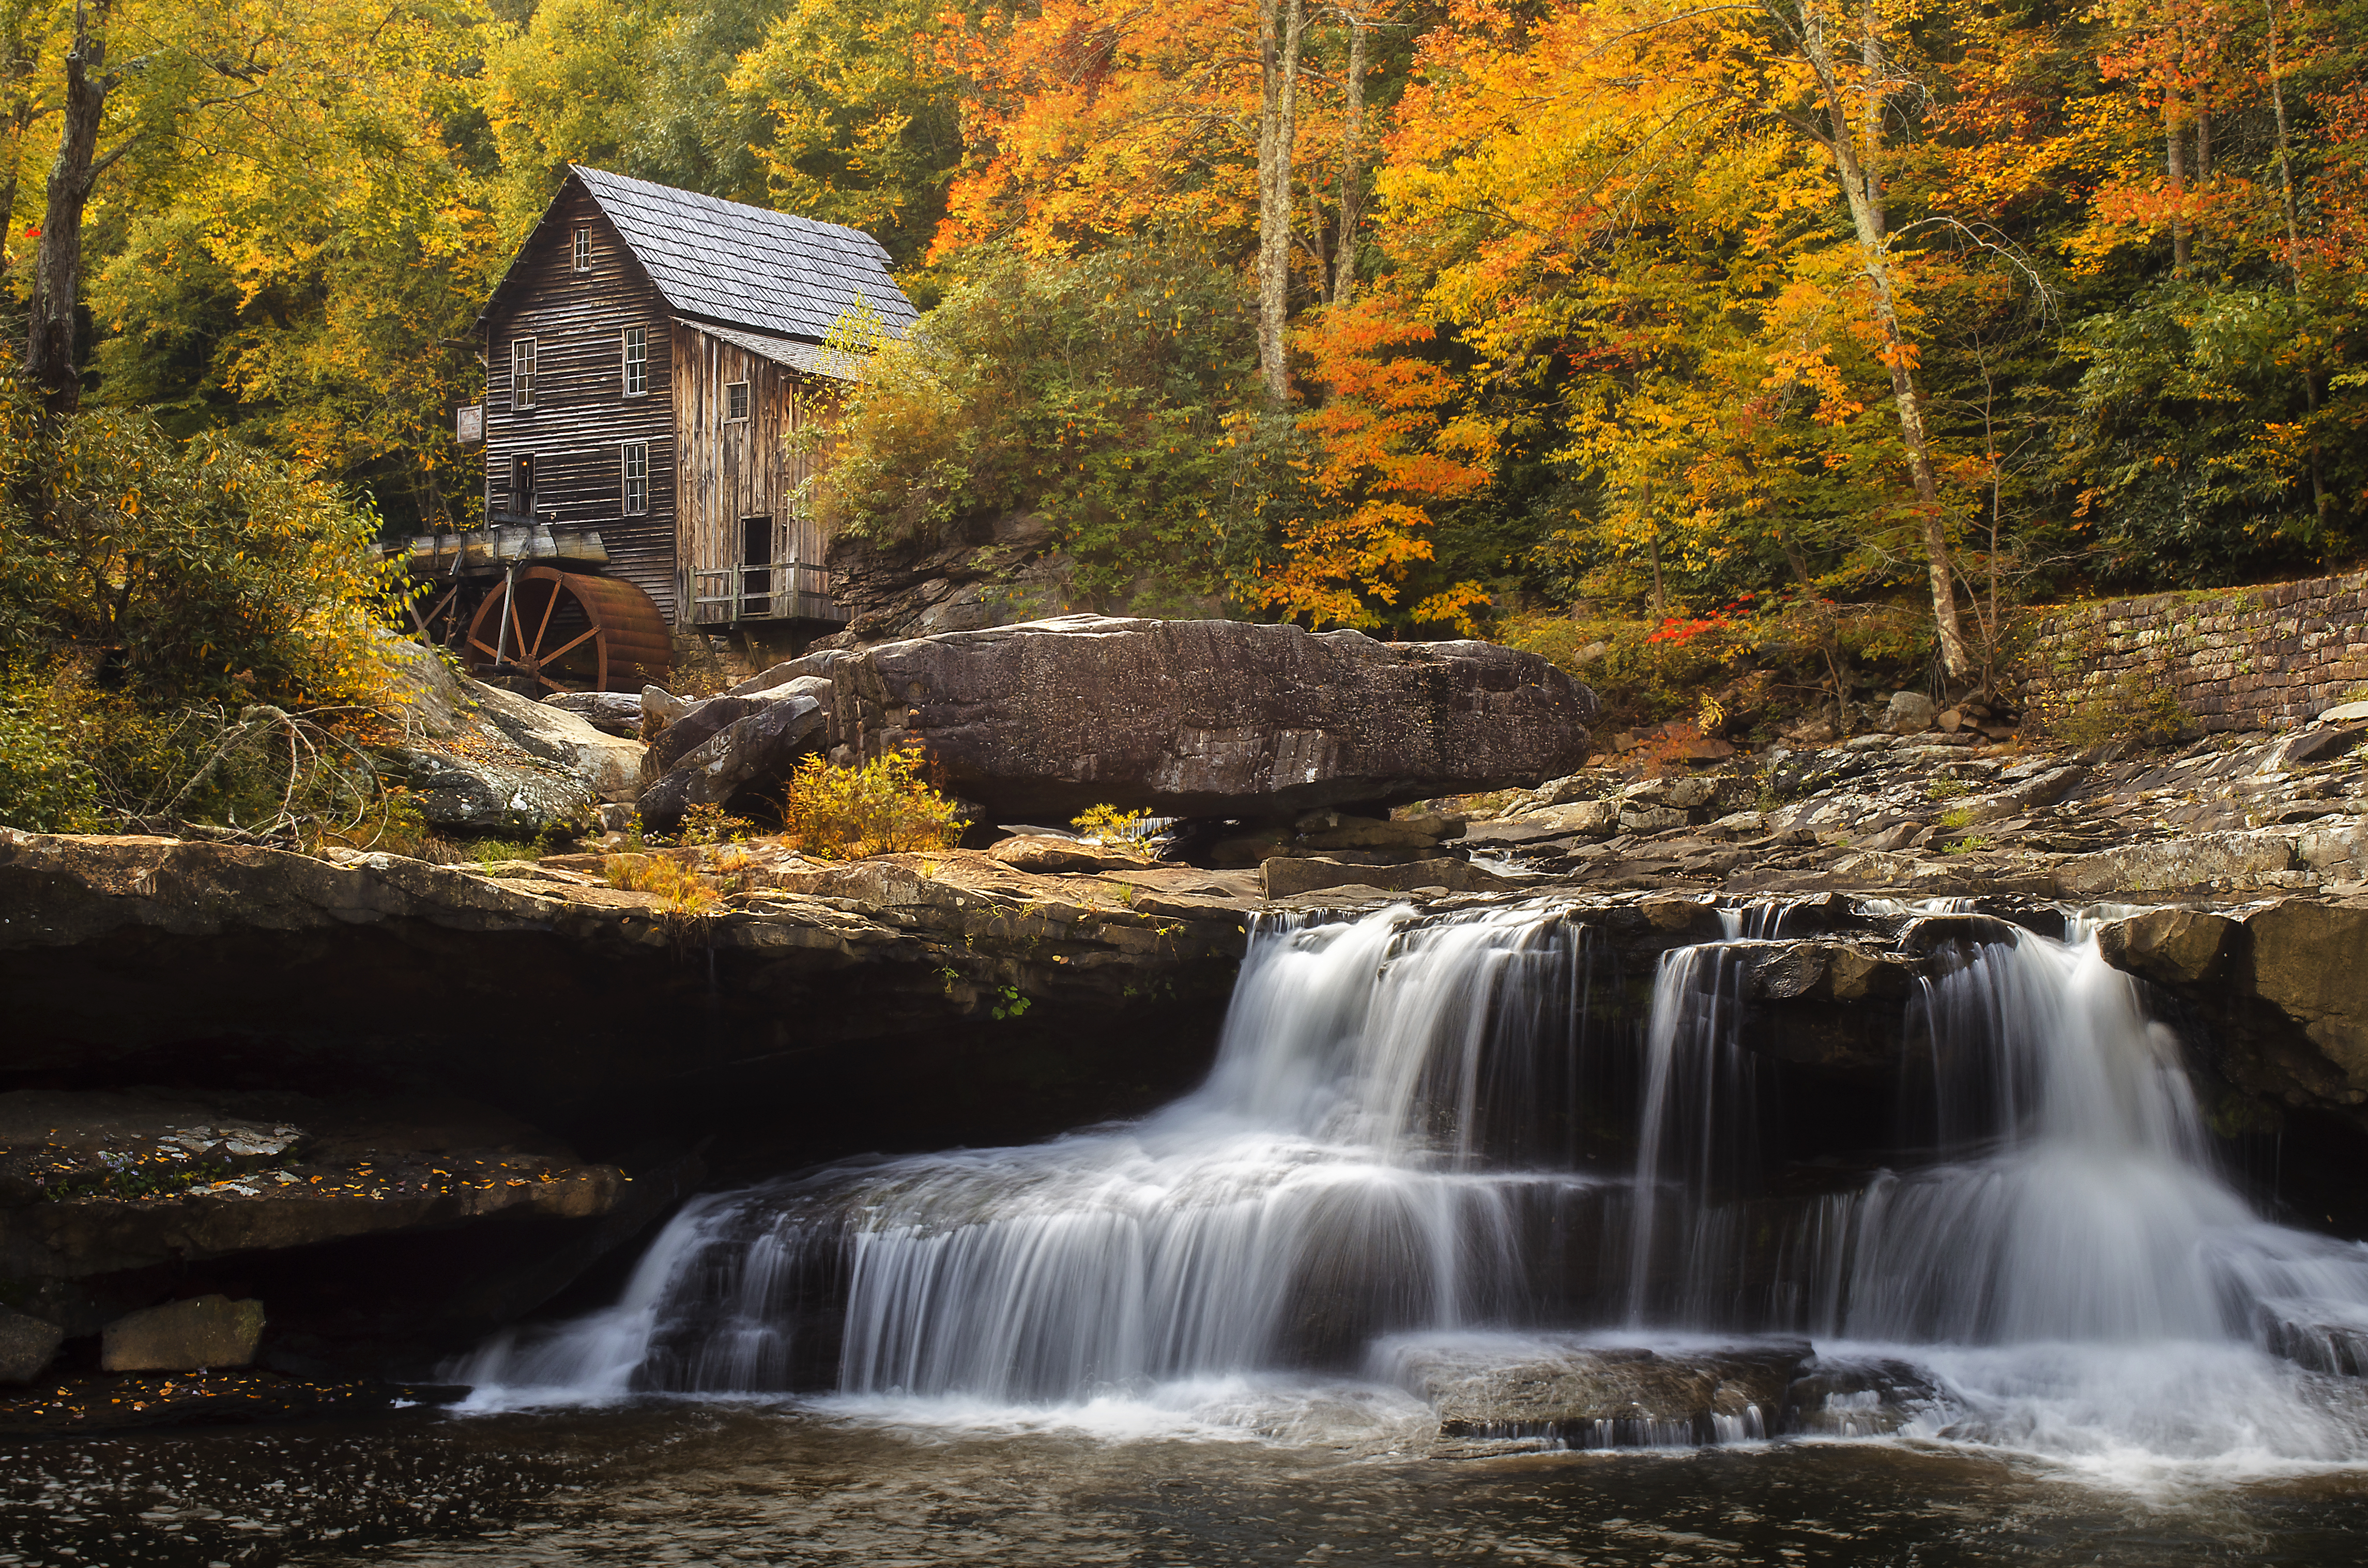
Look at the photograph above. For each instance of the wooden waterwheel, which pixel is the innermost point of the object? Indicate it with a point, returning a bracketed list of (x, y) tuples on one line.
[(571, 632)]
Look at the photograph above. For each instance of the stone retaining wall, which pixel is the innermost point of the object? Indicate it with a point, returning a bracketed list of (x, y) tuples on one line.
[(2261, 658)]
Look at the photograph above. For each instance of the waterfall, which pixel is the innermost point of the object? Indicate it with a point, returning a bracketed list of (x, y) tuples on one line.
[(1405, 1134)]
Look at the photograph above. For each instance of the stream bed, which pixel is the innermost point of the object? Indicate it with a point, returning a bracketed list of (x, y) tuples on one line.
[(686, 1481)]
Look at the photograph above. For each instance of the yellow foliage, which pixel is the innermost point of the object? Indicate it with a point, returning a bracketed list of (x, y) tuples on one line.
[(883, 807)]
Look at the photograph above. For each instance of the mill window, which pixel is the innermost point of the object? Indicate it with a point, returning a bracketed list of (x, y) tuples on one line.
[(736, 401), (636, 474), (584, 248), (637, 360), (522, 373)]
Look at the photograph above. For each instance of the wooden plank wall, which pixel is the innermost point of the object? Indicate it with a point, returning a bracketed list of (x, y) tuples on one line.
[(729, 471), (581, 414)]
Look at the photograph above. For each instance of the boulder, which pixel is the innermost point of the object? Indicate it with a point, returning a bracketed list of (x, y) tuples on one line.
[(183, 1337), (2171, 947), (2212, 861), (1288, 876), (424, 694), (1043, 853), (693, 724), (661, 708), (498, 794), (2307, 958), (2043, 787), (610, 712), (26, 1346), (1209, 718), (609, 764), (1909, 713), (1598, 818), (805, 665), (1375, 833), (1601, 1396), (756, 748)]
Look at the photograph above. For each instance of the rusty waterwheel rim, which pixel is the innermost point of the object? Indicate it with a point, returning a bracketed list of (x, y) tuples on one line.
[(571, 632)]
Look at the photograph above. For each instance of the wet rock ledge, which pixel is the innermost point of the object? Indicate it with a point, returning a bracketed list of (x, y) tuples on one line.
[(400, 1103)]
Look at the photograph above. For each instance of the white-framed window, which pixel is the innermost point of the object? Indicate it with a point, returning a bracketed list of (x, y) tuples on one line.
[(634, 467), (583, 247), (523, 373), (736, 401), (637, 360)]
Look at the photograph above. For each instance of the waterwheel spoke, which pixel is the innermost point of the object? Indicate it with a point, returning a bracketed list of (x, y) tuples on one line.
[(554, 655), (550, 607)]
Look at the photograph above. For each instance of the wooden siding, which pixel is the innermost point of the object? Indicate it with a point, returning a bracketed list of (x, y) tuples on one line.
[(729, 470), (581, 416)]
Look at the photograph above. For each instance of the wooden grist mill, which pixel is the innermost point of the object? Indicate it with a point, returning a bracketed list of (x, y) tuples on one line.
[(659, 369)]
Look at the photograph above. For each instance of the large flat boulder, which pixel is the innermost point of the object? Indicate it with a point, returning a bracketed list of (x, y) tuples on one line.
[(1209, 717)]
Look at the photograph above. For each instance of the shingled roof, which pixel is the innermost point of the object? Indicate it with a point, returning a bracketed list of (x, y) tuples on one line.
[(746, 266)]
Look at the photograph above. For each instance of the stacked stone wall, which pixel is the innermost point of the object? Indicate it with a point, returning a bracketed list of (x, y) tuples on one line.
[(2261, 658)]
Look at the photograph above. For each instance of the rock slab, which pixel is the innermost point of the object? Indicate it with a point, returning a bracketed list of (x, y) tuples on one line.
[(26, 1346), (183, 1337), (1209, 718)]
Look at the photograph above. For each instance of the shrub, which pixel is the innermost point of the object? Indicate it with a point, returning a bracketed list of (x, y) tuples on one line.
[(47, 785), (882, 807), (1107, 825), (185, 573), (2139, 705)]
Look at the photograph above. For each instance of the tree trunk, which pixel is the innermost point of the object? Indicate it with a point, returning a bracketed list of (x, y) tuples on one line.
[(57, 269), (1868, 224), (2175, 153), (2293, 260), (1282, 25), (1352, 166)]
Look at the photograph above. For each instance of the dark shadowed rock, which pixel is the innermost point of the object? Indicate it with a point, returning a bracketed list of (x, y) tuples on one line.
[(26, 1345), (183, 1337), (1211, 717), (759, 748), (1288, 876)]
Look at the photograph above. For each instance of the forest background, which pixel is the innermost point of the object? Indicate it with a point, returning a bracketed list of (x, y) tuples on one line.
[(1689, 322)]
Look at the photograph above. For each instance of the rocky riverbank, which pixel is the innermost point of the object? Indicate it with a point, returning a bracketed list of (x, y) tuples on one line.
[(400, 1102)]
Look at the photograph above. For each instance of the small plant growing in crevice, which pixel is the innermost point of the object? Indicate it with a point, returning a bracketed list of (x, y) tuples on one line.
[(1113, 829), (704, 824), (1009, 1003)]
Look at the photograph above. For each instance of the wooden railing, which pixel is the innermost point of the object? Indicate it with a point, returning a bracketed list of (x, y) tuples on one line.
[(790, 592)]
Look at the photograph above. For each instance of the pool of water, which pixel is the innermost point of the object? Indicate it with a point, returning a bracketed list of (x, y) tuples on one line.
[(1243, 1476)]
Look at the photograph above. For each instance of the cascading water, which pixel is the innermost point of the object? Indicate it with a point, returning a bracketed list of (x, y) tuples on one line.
[(1403, 1140)]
